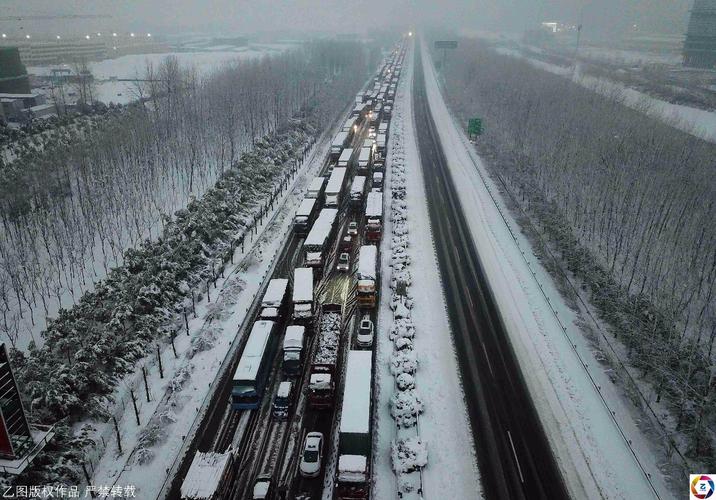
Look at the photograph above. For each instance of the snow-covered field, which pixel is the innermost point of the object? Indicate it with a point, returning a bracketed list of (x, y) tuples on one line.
[(623, 56), (698, 122), (598, 445), (133, 66), (180, 398), (451, 471)]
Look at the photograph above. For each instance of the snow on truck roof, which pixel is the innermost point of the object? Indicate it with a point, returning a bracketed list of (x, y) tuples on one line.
[(275, 292), (374, 204), (322, 227), (358, 184), (303, 284), (204, 475), (335, 182), (294, 337), (345, 157), (364, 154), (306, 207), (254, 351), (355, 414), (317, 183), (339, 139), (352, 468), (284, 390), (366, 262)]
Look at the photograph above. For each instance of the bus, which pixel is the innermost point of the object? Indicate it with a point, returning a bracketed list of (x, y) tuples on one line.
[(254, 366)]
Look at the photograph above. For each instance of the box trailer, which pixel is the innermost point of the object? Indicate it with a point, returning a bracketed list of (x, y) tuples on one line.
[(367, 276), (303, 294), (354, 438)]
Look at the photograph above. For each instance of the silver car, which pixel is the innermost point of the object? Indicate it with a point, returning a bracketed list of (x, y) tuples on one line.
[(366, 331), (312, 454)]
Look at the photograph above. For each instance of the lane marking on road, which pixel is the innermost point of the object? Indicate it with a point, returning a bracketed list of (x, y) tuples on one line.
[(519, 469), (489, 365)]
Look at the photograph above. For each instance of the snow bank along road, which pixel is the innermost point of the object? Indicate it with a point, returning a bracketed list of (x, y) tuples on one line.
[(451, 471), (512, 448), (595, 457)]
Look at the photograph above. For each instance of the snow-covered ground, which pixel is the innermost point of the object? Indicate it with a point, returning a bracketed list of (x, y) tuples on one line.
[(180, 398), (587, 421), (451, 471), (698, 122), (107, 71), (624, 56)]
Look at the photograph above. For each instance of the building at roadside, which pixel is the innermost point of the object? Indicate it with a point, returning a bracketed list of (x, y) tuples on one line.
[(700, 43), (13, 76), (20, 442), (22, 108), (38, 51)]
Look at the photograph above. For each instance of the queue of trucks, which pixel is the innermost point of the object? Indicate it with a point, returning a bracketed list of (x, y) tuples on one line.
[(290, 306)]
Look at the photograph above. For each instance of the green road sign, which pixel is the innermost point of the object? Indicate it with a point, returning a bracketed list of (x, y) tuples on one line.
[(474, 126), (446, 44)]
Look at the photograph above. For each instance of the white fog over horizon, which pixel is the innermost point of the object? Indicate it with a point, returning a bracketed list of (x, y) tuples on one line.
[(600, 18)]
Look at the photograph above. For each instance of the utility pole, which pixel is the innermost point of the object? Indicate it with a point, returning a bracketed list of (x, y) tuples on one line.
[(579, 37)]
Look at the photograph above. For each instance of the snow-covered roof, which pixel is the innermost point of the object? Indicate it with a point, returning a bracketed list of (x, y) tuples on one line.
[(306, 207), (344, 158), (374, 203), (358, 185), (261, 489), (352, 468), (366, 262), (364, 155), (254, 350), (303, 284), (339, 139), (270, 313), (294, 337), (284, 389), (380, 139), (316, 184), (18, 96), (349, 122), (355, 463), (275, 292), (355, 413), (322, 227), (335, 182), (319, 381), (204, 475)]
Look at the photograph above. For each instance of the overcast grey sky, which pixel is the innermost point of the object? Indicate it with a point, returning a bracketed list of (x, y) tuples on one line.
[(349, 15)]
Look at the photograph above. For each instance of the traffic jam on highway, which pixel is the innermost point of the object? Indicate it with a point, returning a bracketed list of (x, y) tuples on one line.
[(295, 420)]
